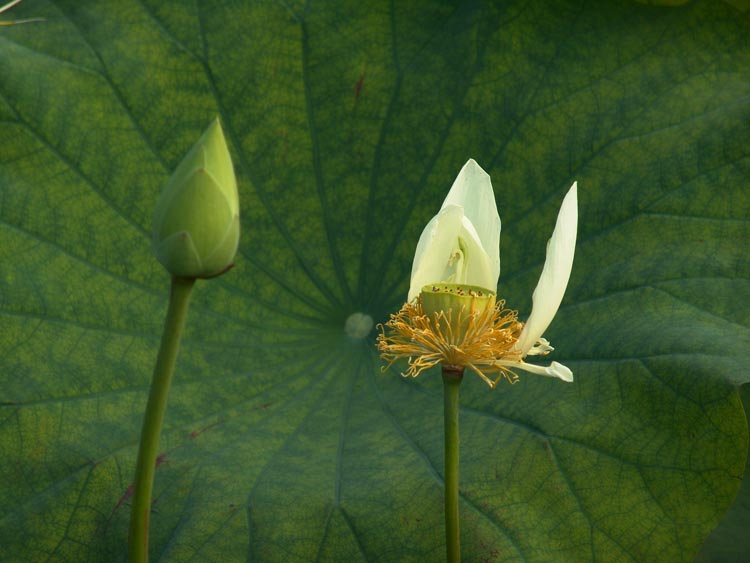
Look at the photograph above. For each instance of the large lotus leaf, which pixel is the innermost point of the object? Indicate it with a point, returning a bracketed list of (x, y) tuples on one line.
[(729, 542), (347, 122)]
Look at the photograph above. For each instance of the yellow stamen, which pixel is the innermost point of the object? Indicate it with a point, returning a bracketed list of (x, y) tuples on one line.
[(476, 342)]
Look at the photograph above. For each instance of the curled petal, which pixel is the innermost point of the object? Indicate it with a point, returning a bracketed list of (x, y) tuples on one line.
[(472, 190), (436, 243), (475, 267), (541, 348), (555, 369), (555, 274), (449, 251)]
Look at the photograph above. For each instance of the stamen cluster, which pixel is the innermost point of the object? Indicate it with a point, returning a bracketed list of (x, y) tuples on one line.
[(466, 337)]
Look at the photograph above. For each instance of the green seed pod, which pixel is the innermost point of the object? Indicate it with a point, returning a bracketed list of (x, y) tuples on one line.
[(197, 220), (461, 306)]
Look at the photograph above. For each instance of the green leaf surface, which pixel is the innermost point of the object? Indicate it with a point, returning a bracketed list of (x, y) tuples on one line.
[(347, 122), (729, 542)]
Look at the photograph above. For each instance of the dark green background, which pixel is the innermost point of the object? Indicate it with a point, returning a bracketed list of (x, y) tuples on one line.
[(347, 123)]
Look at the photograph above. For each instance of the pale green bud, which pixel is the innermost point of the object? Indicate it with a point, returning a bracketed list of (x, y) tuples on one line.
[(460, 305), (197, 220)]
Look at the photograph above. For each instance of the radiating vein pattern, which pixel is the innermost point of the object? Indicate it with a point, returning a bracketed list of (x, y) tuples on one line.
[(347, 123)]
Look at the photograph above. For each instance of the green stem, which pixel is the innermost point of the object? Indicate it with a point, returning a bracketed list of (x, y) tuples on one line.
[(179, 298), (452, 376)]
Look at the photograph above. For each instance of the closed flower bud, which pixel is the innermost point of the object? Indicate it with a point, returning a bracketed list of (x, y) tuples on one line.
[(197, 222)]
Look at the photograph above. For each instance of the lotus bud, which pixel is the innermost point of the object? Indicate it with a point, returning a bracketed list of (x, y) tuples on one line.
[(455, 307), (197, 221)]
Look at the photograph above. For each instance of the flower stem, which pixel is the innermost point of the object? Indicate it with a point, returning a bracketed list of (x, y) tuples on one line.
[(179, 298), (452, 376)]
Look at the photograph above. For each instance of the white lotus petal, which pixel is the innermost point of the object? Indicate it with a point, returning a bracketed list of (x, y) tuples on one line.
[(436, 244), (555, 369), (555, 274), (542, 347), (9, 5), (472, 190), (476, 268), (425, 240)]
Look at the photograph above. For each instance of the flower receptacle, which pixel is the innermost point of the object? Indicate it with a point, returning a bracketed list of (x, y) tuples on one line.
[(454, 305)]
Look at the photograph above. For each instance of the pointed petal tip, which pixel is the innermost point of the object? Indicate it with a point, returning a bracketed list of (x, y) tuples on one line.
[(471, 183), (473, 166), (568, 215), (571, 197), (215, 124)]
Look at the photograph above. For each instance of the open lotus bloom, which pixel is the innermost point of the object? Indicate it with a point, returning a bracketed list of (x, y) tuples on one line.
[(451, 315)]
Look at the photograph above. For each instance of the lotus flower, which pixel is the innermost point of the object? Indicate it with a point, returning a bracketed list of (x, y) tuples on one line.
[(458, 257)]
